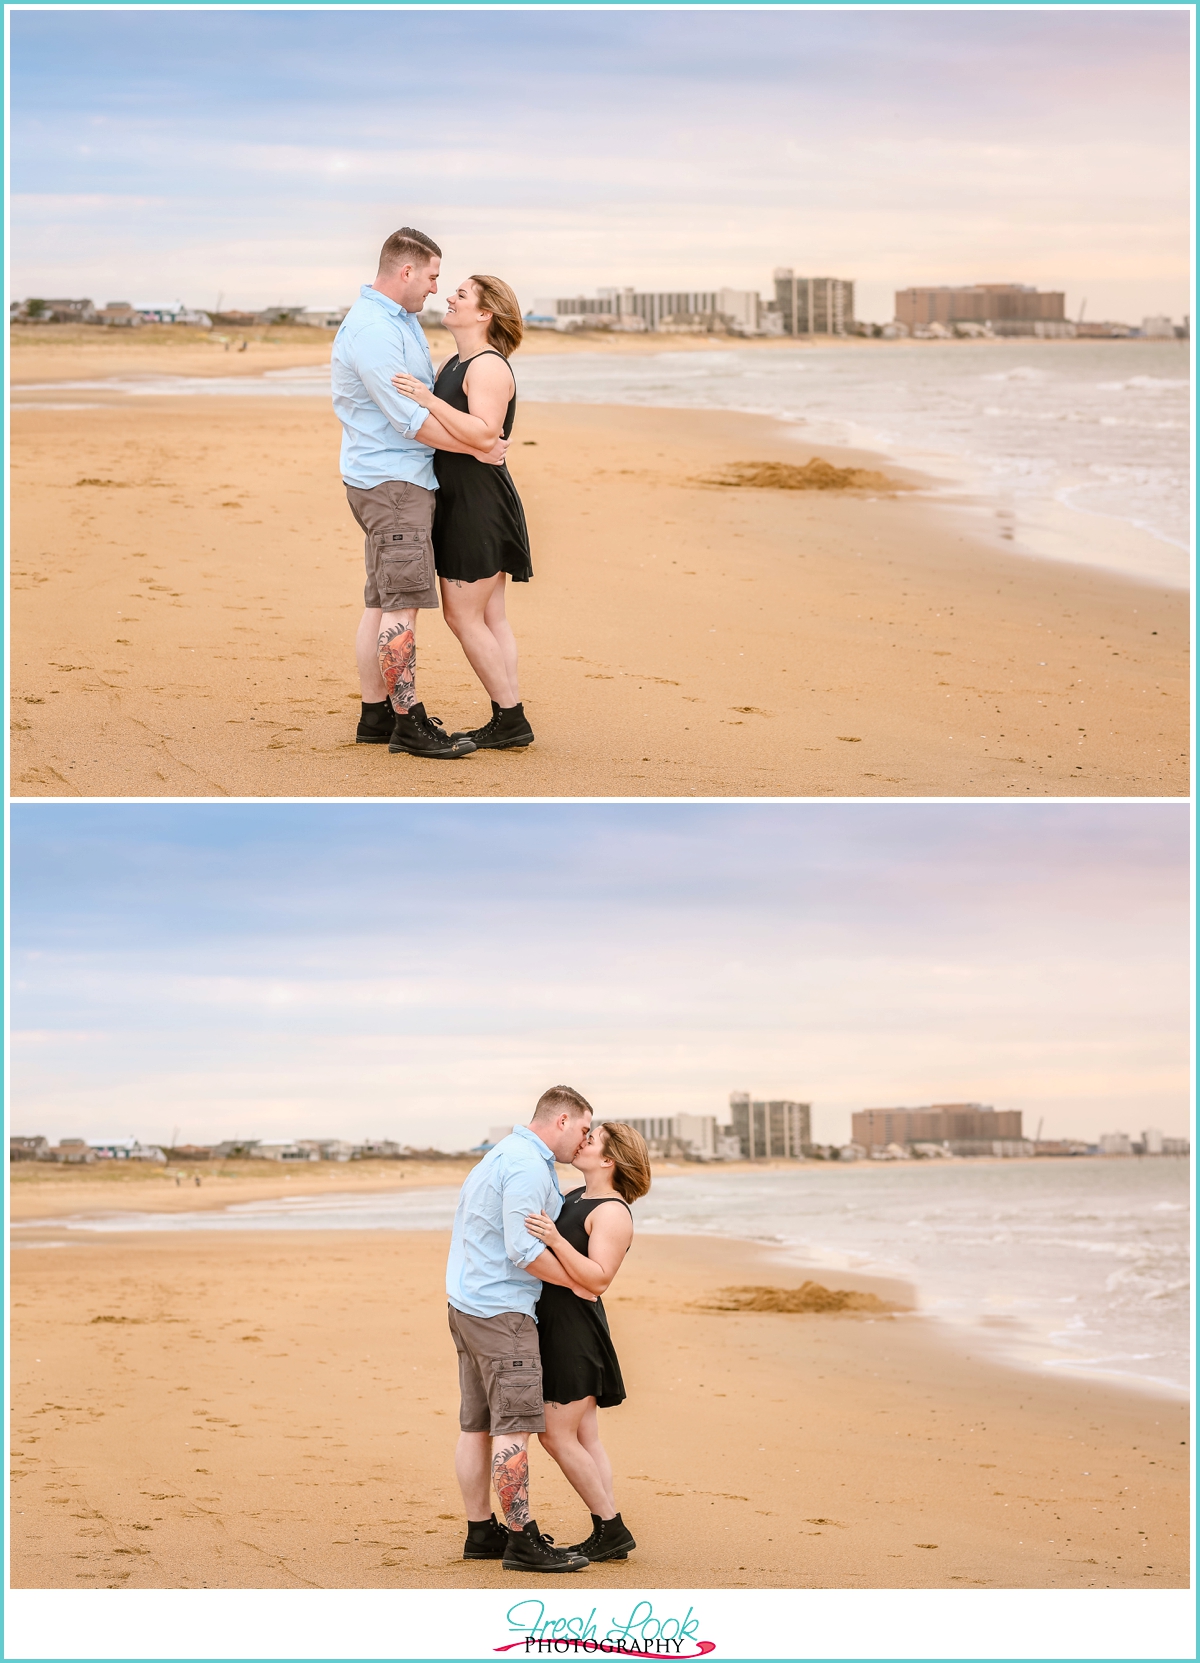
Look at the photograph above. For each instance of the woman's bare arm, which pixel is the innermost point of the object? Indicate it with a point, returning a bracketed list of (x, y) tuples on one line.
[(432, 433), (609, 1236), (488, 386)]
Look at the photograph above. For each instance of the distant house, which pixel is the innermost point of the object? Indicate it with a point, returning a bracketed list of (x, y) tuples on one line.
[(190, 1152), (378, 1149), (73, 1152), (281, 314), (289, 1151), (119, 314), (330, 1149), (237, 1149), (125, 1149), (28, 1149), (329, 318), (171, 311)]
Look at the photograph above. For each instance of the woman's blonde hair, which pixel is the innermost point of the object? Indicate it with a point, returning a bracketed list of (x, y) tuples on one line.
[(506, 328), (626, 1149)]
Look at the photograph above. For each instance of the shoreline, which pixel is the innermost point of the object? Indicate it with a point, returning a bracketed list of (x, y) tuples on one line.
[(1051, 532), (916, 1464), (38, 1230)]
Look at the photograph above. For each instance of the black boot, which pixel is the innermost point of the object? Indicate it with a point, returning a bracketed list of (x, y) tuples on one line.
[(528, 1550), (610, 1539), (375, 724), (507, 730), (469, 733), (422, 735), (486, 1539)]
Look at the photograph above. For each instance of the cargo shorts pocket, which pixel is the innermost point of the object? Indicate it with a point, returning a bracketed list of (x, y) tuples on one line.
[(518, 1386), (403, 560)]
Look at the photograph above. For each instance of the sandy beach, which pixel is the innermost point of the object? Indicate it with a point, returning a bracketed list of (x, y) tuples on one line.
[(838, 1450), (185, 566)]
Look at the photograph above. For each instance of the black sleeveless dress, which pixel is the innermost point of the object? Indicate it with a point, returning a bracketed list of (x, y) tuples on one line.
[(478, 522), (578, 1359)]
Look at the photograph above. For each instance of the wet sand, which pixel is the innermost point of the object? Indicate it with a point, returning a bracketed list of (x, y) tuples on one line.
[(187, 580), (280, 1411)]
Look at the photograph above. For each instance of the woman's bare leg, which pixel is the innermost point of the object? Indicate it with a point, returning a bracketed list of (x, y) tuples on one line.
[(561, 1441), (589, 1437), (465, 606), (496, 619)]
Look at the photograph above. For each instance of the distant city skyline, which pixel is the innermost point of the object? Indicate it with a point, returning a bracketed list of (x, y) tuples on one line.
[(261, 156), (245, 970)]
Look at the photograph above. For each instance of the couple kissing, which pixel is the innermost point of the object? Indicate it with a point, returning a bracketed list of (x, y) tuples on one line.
[(526, 1270)]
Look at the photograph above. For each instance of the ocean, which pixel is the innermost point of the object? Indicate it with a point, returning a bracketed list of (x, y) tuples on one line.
[(1067, 450), (1078, 1265)]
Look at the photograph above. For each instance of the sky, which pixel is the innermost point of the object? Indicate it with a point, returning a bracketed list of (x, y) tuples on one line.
[(425, 971), (256, 157)]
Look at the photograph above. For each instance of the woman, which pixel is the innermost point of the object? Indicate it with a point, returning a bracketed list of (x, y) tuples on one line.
[(580, 1372), (479, 534)]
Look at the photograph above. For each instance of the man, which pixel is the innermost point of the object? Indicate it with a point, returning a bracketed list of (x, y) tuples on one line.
[(387, 467), (493, 1280)]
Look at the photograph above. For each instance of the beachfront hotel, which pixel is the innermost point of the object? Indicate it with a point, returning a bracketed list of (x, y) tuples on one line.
[(740, 311), (814, 305), (770, 1129), (1004, 308), (962, 1128)]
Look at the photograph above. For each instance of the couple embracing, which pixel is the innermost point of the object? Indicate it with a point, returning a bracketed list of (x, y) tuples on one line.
[(526, 1270), (422, 461)]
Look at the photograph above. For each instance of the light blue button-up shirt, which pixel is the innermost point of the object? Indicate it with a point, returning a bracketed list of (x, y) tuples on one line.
[(490, 1246), (376, 339)]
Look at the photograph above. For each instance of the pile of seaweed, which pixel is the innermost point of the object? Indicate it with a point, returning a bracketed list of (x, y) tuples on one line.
[(817, 475), (808, 1297)]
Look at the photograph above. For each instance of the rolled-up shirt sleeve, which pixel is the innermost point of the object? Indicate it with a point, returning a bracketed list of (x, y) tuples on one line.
[(375, 352), (521, 1195)]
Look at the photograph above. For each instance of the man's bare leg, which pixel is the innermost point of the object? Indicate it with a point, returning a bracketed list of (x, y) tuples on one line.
[(473, 1469), (366, 651), (510, 1477), (397, 653)]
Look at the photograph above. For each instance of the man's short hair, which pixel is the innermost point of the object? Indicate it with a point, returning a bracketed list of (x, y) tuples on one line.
[(407, 247), (558, 1098)]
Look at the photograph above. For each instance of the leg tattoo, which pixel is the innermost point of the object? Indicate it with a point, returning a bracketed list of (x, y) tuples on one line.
[(510, 1476), (398, 664)]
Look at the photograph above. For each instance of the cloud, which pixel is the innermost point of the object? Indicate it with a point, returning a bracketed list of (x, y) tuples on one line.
[(570, 151), (223, 961)]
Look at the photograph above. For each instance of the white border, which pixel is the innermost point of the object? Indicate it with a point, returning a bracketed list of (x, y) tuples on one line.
[(431, 1623)]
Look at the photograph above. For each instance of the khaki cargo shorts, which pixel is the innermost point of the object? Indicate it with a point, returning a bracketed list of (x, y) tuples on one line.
[(499, 1373), (397, 523)]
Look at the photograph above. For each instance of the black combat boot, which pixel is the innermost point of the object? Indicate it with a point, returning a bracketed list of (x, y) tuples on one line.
[(610, 1539), (486, 1539), (422, 735), (528, 1550), (507, 730), (375, 724)]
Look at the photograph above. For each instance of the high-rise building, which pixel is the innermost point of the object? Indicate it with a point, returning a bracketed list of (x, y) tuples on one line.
[(814, 305), (1008, 308), (736, 309), (767, 1130), (679, 1134), (968, 1128)]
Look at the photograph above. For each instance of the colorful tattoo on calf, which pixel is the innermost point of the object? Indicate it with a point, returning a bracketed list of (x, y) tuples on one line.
[(510, 1477), (398, 664)]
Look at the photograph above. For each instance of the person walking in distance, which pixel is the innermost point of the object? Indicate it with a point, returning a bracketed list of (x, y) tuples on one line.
[(494, 1276), (390, 483)]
